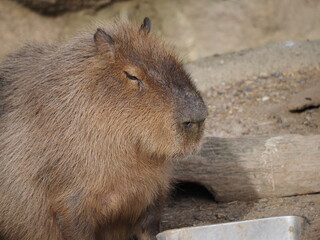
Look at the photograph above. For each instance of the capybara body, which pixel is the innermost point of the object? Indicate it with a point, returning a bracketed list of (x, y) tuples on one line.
[(88, 133)]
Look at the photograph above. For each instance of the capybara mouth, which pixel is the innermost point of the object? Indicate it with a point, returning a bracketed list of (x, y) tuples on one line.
[(191, 133)]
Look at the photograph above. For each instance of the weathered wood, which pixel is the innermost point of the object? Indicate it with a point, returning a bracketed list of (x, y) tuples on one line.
[(255, 167)]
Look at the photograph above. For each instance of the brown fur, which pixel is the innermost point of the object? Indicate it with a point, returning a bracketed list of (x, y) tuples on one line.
[(85, 151)]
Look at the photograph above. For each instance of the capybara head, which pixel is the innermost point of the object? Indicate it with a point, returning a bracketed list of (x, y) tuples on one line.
[(152, 98)]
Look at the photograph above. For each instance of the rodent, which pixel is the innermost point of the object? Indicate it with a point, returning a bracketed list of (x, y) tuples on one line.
[(88, 131)]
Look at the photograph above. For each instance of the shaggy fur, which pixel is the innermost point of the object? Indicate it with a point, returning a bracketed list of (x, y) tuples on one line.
[(87, 131)]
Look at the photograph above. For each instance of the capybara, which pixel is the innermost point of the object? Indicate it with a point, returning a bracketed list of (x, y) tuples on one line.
[(89, 131)]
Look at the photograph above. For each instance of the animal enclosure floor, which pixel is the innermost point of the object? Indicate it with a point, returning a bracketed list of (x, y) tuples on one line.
[(192, 211), (255, 106)]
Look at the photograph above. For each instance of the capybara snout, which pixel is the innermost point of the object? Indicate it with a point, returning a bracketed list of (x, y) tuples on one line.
[(193, 113)]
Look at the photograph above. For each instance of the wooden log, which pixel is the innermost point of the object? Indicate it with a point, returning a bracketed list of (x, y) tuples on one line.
[(248, 168)]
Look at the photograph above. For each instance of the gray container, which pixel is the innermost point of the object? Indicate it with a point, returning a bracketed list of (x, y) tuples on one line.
[(274, 228)]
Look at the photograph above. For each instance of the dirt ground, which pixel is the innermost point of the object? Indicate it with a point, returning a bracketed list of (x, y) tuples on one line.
[(253, 106), (259, 106)]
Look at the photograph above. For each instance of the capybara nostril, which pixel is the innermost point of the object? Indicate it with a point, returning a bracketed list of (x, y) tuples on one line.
[(192, 114), (187, 125)]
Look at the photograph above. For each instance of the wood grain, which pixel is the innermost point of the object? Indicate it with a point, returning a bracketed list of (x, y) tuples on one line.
[(248, 168)]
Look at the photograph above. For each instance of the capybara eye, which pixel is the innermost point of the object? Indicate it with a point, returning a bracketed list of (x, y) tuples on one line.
[(131, 77), (134, 78)]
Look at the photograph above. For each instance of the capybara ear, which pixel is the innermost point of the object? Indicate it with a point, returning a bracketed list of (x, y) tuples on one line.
[(104, 42), (146, 25)]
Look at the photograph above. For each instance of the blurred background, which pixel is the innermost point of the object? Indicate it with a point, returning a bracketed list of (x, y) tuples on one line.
[(196, 28)]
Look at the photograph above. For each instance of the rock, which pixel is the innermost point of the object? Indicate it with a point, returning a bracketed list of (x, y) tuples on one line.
[(209, 71), (265, 98), (53, 7), (305, 99)]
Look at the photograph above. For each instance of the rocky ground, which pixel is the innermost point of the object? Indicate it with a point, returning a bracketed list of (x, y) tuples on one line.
[(260, 105)]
